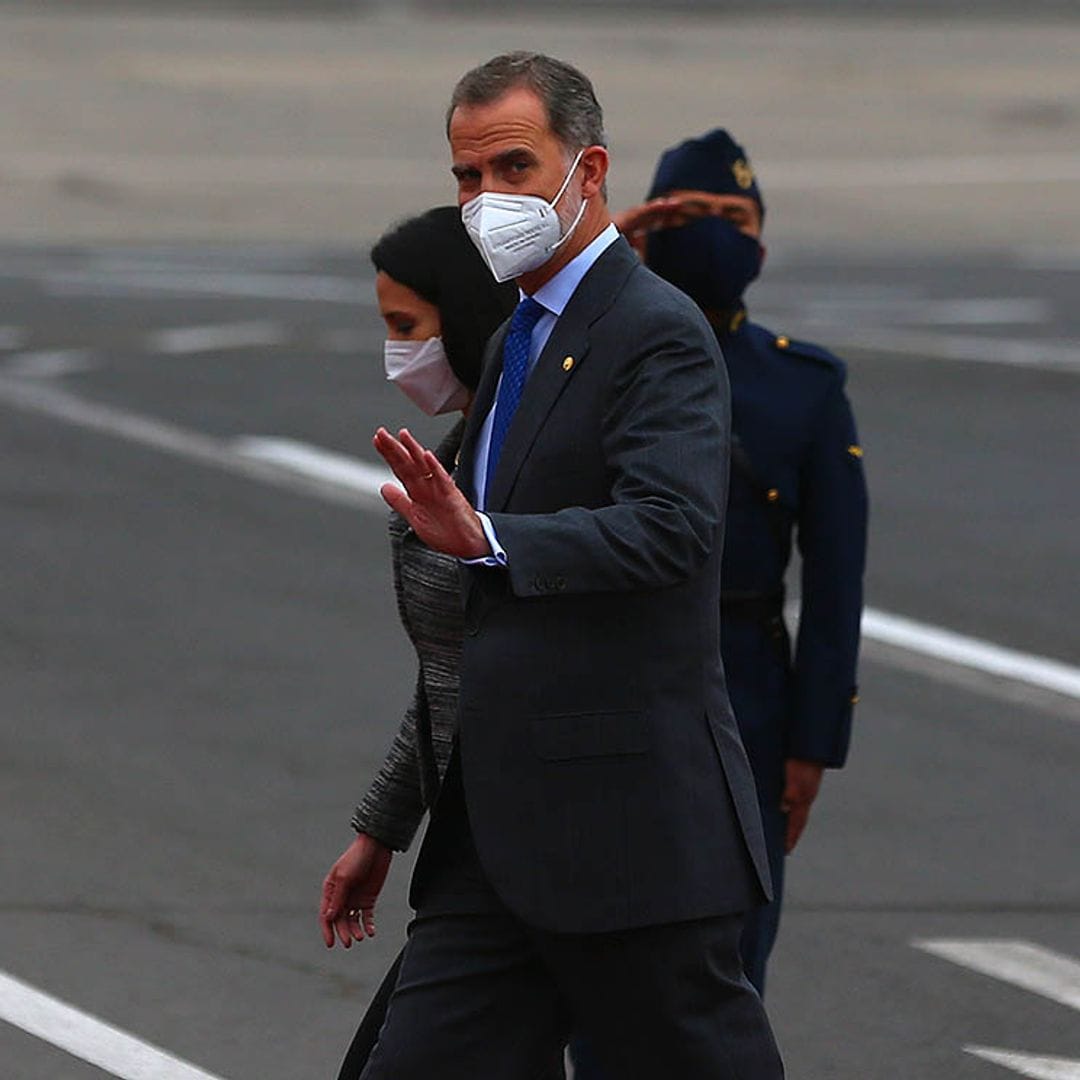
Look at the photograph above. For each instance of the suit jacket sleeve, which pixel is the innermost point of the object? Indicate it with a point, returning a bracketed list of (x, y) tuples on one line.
[(664, 430), (832, 542), (393, 807)]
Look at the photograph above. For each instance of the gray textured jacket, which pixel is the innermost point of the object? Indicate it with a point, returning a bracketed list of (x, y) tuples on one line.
[(428, 588)]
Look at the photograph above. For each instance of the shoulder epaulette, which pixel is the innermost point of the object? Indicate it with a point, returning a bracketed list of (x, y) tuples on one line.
[(807, 351)]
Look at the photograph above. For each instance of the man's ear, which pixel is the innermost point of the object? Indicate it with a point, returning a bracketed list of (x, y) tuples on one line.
[(594, 166)]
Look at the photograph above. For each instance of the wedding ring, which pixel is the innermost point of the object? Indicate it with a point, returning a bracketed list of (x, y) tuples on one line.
[(427, 476)]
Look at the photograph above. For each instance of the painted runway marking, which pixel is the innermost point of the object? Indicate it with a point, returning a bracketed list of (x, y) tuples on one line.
[(1059, 355), (174, 170), (1030, 967), (88, 1038), (1036, 1066), (47, 400), (12, 337), (48, 363), (969, 652), (985, 311), (315, 462), (924, 171), (349, 481), (189, 340), (831, 308), (306, 288)]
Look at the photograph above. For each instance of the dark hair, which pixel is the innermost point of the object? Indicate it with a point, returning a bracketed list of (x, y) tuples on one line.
[(574, 114), (433, 255)]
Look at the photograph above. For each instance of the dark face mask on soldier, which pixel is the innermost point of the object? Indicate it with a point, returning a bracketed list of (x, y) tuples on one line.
[(709, 259)]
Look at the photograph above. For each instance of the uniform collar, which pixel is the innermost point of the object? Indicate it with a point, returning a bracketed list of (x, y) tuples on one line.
[(729, 321)]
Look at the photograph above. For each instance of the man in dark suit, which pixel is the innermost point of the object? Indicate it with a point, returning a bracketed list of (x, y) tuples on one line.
[(597, 837)]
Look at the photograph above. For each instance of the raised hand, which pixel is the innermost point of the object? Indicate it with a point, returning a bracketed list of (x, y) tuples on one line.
[(430, 502)]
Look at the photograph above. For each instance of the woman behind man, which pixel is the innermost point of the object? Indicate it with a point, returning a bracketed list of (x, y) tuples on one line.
[(440, 305)]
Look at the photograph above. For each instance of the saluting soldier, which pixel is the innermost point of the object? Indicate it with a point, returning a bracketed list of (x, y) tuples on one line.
[(796, 481)]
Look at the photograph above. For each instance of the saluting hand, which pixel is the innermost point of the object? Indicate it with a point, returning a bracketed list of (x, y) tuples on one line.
[(431, 502), (665, 212)]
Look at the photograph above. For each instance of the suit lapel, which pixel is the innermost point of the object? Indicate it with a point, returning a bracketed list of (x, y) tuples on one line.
[(559, 361), (482, 402)]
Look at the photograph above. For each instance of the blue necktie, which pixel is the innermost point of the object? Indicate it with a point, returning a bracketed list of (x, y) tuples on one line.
[(515, 372)]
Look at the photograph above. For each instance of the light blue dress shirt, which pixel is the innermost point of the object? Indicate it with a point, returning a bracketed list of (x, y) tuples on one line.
[(553, 295)]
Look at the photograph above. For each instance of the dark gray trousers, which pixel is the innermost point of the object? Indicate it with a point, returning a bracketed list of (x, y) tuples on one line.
[(482, 996)]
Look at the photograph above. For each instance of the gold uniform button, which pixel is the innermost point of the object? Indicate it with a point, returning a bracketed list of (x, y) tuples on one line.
[(854, 699), (568, 363), (783, 342), (773, 495), (855, 451)]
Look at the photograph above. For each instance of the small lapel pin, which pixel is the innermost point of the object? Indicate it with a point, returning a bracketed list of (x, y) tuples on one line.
[(568, 363)]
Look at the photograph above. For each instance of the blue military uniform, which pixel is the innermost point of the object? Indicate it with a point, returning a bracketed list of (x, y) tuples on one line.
[(796, 480)]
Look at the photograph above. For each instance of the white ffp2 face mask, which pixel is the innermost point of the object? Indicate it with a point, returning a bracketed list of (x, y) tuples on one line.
[(423, 373), (517, 233)]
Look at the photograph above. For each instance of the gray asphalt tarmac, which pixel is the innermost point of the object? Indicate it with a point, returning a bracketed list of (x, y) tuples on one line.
[(200, 662), (201, 669)]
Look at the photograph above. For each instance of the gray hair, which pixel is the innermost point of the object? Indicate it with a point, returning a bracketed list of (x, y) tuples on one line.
[(574, 114)]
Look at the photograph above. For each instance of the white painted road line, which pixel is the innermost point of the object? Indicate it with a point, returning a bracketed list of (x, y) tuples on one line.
[(313, 461), (48, 400), (12, 337), (86, 1037), (985, 311), (308, 288), (352, 482), (970, 169), (915, 309), (1036, 1066), (178, 171), (48, 364), (187, 340), (927, 345), (1031, 967), (951, 647)]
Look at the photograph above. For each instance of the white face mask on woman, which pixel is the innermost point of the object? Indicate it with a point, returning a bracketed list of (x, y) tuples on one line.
[(423, 373), (517, 233)]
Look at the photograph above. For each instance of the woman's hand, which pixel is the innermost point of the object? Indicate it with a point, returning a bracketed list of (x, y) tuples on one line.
[(351, 889)]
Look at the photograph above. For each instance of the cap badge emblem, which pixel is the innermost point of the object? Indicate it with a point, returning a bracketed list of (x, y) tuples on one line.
[(744, 175)]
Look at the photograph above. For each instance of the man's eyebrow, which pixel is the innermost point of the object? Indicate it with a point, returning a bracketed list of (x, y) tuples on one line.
[(460, 172), (500, 160), (515, 154)]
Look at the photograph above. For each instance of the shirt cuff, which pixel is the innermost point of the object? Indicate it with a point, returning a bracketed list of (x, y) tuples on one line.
[(498, 556)]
